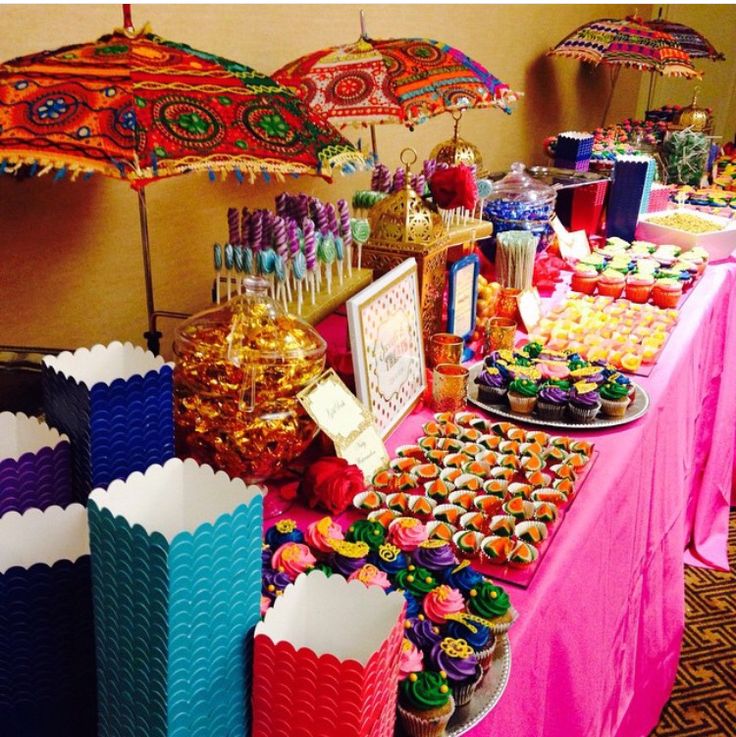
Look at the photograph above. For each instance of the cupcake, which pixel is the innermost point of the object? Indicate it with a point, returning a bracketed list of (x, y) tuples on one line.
[(614, 399), (423, 633), (639, 287), (320, 534), (413, 606), (389, 559), (464, 577), (369, 575), (411, 659), (416, 580), (425, 704), (522, 395), (584, 279), (348, 557), (666, 293), (492, 603), (611, 283), (584, 402), (284, 531), (458, 660), (492, 386), (434, 555), (371, 533), (478, 636), (552, 402), (273, 583), (407, 532), (441, 602), (293, 559)]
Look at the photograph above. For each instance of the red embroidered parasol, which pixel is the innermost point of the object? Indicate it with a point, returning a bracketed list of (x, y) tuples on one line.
[(134, 106)]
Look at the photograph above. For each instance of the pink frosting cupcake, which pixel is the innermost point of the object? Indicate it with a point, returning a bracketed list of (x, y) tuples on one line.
[(293, 559), (407, 533), (442, 601), (371, 576), (320, 533), (554, 369), (411, 659), (265, 604)]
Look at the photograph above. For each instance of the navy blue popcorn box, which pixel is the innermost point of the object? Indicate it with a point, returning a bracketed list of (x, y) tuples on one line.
[(176, 571), (629, 181), (35, 465), (115, 402), (47, 651)]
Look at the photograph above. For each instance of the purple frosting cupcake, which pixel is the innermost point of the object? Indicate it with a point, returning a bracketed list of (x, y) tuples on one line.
[(552, 402), (423, 633), (585, 401), (434, 555), (273, 583), (492, 385), (457, 659), (345, 565)]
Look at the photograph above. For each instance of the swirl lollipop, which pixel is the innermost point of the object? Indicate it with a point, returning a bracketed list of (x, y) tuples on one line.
[(233, 225), (310, 253), (244, 227), (299, 271), (217, 256), (256, 230), (484, 187), (279, 270), (347, 235), (238, 258), (229, 262), (361, 231), (327, 254), (280, 241), (399, 179)]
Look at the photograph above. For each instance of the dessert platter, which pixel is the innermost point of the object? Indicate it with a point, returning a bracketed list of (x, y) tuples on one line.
[(636, 409)]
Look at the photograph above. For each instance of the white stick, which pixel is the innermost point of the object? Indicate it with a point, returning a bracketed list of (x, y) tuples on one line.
[(299, 296)]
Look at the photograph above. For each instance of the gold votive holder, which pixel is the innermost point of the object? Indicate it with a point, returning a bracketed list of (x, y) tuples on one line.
[(445, 348), (507, 303), (449, 387), (500, 332)]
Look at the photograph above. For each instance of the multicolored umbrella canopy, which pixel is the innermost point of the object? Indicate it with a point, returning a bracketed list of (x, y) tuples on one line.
[(629, 43), (403, 80), (137, 107), (693, 43)]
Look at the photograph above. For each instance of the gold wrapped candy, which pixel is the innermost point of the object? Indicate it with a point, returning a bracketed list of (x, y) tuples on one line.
[(238, 370)]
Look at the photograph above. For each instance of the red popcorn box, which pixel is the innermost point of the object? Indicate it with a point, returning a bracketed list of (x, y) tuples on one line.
[(326, 660)]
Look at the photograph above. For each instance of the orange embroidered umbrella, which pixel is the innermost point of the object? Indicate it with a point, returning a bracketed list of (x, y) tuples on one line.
[(137, 107)]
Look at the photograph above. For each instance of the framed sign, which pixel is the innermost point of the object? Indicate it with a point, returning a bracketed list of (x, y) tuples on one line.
[(386, 343), (347, 422), (463, 295), (530, 308)]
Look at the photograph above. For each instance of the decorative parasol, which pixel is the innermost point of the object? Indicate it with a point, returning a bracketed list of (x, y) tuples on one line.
[(400, 80), (134, 106), (626, 43)]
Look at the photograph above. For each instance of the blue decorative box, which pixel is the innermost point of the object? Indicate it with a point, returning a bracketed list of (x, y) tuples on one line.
[(47, 653), (115, 402), (176, 572)]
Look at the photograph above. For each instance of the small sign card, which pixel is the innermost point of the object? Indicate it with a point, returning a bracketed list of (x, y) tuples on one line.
[(530, 307), (573, 246), (346, 421)]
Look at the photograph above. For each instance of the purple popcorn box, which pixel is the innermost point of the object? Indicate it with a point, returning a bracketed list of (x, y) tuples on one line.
[(35, 464)]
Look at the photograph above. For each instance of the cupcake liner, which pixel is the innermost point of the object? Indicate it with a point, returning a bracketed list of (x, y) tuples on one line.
[(418, 505), (410, 451), (468, 481), (448, 513), (437, 530), (522, 405), (519, 489), (497, 560), (614, 407), (463, 692), (485, 657), (523, 531), (550, 411), (473, 521), (583, 414), (465, 536), (487, 456), (638, 293), (462, 498), (501, 625), (415, 724), (488, 504), (491, 394)]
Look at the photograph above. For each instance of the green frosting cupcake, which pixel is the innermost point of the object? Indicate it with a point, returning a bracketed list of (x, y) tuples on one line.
[(559, 383), (326, 569), (524, 387), (424, 691), (416, 580), (489, 601), (365, 531), (613, 391), (533, 349), (576, 363)]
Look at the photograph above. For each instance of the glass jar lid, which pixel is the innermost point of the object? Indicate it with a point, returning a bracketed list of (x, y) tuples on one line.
[(518, 186)]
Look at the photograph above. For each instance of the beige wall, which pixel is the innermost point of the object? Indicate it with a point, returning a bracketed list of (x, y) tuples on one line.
[(70, 264)]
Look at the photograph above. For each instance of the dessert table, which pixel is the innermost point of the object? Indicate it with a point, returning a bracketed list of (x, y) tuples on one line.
[(596, 646)]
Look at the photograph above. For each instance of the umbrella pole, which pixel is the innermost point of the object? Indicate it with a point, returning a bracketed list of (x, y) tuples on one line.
[(650, 95), (614, 79), (152, 336), (374, 145)]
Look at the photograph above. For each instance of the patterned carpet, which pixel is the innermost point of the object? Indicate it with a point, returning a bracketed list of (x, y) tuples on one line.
[(703, 702)]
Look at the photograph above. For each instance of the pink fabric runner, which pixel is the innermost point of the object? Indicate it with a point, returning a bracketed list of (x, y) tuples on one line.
[(596, 647)]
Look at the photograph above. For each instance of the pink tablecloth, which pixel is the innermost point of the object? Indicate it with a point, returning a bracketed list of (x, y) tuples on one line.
[(596, 647)]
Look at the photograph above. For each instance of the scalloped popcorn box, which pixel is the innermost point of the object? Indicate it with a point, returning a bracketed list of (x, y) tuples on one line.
[(35, 465), (47, 649), (326, 660), (176, 580), (116, 404)]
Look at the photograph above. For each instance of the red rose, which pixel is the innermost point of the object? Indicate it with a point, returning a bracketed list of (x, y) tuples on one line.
[(331, 483), (454, 187)]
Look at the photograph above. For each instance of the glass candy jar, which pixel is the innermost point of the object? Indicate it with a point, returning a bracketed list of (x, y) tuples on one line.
[(520, 202), (239, 367)]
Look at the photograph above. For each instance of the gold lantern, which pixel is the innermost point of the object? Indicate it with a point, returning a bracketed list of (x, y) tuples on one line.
[(693, 116), (405, 226), (457, 151)]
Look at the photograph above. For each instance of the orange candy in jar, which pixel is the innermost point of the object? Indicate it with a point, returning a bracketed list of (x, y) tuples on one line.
[(239, 367)]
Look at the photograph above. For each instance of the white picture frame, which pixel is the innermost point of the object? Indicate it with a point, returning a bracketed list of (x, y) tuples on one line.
[(384, 321)]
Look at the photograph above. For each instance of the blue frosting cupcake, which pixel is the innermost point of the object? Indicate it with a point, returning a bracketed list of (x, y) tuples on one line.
[(284, 531), (463, 577), (389, 559)]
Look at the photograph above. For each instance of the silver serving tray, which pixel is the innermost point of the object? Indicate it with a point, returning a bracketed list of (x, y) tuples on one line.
[(486, 696), (636, 409)]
